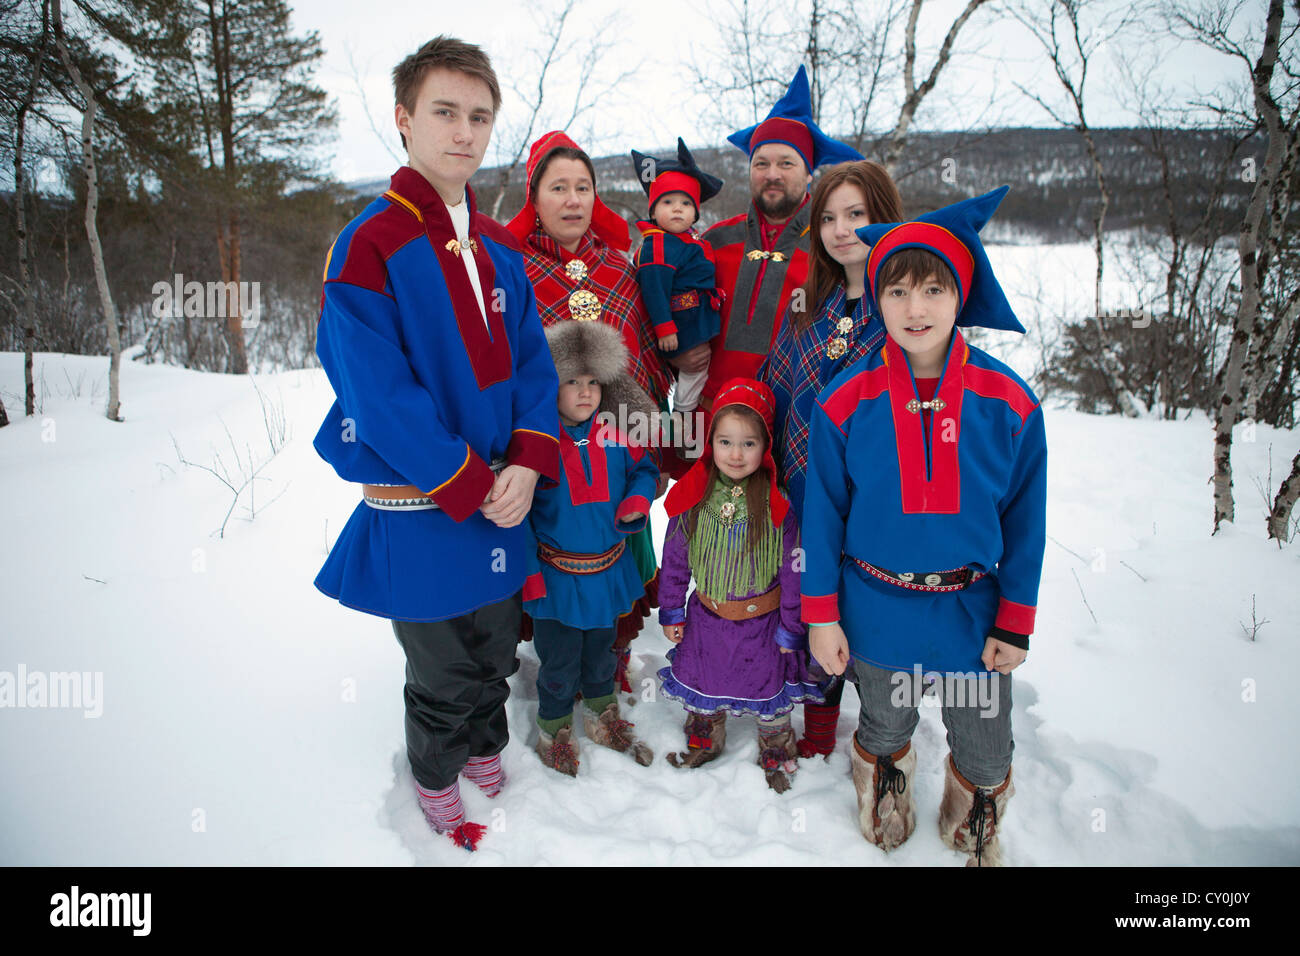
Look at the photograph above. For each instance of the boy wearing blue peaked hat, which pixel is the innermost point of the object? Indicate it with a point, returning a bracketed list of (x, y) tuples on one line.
[(925, 525)]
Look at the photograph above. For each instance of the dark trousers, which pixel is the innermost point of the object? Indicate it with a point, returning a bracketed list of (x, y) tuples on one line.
[(572, 660), (456, 688)]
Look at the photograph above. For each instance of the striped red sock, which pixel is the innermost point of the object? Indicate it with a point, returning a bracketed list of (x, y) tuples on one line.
[(819, 730), (443, 810), (486, 772)]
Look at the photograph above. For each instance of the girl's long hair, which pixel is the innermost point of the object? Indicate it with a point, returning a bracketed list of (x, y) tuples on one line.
[(824, 273)]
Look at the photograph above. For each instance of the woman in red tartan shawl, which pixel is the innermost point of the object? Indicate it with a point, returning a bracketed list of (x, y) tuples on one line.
[(574, 253)]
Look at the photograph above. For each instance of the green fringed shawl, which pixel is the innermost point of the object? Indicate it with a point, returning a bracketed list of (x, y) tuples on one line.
[(717, 555)]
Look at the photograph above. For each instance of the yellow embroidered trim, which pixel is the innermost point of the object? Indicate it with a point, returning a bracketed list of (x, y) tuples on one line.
[(464, 464), (405, 202)]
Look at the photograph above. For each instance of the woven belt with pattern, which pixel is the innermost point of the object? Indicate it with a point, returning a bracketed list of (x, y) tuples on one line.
[(957, 579), (571, 563), (407, 497), (743, 610), (684, 300)]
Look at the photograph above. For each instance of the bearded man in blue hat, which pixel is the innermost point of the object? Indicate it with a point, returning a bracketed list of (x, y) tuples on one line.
[(924, 528), (761, 256)]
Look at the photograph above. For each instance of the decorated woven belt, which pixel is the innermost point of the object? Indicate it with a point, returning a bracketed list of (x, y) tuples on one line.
[(689, 299), (744, 609), (571, 563), (957, 579), (407, 497)]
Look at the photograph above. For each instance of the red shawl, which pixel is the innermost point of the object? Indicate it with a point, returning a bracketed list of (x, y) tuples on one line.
[(611, 278)]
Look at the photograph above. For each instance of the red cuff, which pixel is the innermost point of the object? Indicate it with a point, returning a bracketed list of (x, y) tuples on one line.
[(665, 329), (822, 609), (536, 450), (1018, 618), (462, 494), (635, 503), (534, 587)]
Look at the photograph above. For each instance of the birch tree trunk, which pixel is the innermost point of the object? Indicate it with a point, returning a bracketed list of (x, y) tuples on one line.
[(1266, 343), (1280, 517), (20, 209), (1230, 403), (913, 94), (92, 208)]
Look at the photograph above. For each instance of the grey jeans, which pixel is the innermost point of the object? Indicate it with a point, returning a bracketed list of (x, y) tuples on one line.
[(976, 712)]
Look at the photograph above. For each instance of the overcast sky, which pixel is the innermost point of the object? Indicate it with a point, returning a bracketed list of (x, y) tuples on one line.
[(363, 41)]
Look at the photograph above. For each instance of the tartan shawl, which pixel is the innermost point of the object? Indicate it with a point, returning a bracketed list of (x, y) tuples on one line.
[(798, 368), (611, 278)]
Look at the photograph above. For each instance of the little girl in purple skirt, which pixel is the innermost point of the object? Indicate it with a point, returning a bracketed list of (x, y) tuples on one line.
[(741, 647)]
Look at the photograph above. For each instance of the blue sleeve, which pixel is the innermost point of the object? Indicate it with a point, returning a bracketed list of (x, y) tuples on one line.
[(655, 276), (825, 512), (359, 342), (1024, 529), (642, 482)]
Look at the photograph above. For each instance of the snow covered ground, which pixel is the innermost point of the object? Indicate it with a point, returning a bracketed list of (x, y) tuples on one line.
[(241, 717)]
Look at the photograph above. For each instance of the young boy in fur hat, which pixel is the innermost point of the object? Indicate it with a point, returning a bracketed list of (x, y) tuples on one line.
[(582, 524), (674, 266), (924, 528)]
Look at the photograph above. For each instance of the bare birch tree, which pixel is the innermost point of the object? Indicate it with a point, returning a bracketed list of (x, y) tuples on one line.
[(1212, 26), (862, 61), (1279, 519), (913, 92), (1071, 47), (90, 108), (555, 56), (25, 281)]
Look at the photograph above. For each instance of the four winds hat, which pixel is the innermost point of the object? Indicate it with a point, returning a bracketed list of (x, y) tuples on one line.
[(952, 234), (790, 122)]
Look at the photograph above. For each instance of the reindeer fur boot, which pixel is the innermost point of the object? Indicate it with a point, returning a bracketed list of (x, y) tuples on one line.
[(777, 754), (886, 814), (610, 730), (969, 816), (559, 752), (706, 735)]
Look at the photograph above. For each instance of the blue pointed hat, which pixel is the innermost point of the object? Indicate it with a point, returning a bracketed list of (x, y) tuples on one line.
[(952, 234), (790, 122)]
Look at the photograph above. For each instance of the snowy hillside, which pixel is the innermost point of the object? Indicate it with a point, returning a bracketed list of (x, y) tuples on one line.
[(239, 716)]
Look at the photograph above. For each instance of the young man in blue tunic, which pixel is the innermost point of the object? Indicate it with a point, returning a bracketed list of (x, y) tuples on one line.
[(444, 417), (582, 525), (924, 528)]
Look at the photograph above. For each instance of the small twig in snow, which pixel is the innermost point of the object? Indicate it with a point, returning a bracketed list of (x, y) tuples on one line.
[(1134, 570), (1075, 553), (96, 580), (1082, 595), (1255, 624)]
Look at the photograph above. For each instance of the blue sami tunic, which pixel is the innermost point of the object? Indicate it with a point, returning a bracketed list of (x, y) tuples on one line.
[(886, 486), (667, 265), (603, 477), (428, 393)]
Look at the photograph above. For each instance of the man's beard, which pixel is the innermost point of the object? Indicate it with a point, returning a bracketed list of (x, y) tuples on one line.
[(782, 208)]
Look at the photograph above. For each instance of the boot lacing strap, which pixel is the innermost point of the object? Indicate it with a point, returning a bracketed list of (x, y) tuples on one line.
[(620, 731), (772, 754), (975, 822), (889, 779), (562, 753), (699, 733)]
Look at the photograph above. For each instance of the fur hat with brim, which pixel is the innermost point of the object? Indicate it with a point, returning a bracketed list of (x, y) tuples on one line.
[(596, 349)]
